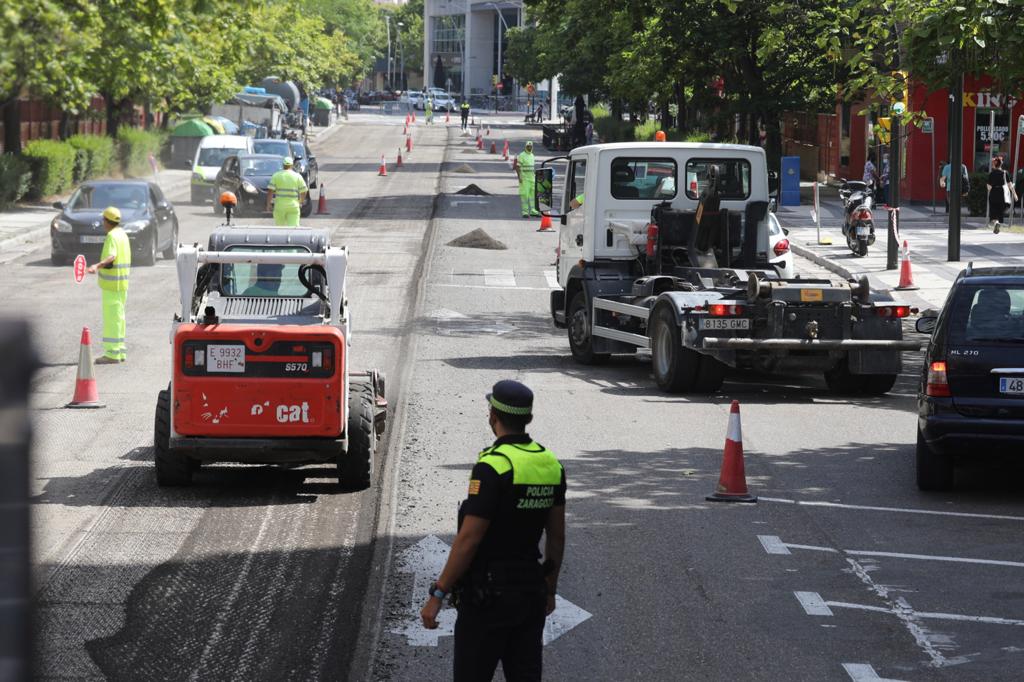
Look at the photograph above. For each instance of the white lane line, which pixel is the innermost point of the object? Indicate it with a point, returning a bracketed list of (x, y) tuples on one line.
[(552, 277), (499, 278), (773, 544), (924, 615), (863, 672), (486, 286), (813, 604), (898, 510)]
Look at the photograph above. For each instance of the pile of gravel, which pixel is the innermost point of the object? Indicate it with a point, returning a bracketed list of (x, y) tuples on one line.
[(477, 239)]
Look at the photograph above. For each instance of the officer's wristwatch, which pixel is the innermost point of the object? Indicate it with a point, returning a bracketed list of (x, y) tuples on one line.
[(436, 591)]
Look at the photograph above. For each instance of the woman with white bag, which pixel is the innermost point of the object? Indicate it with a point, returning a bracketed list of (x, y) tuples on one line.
[(1001, 194)]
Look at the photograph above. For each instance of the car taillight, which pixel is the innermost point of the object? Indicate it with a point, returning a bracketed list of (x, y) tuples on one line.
[(893, 310), (862, 214), (781, 247), (723, 309), (937, 384)]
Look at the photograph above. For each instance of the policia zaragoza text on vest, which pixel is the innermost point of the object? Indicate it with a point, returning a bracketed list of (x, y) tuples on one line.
[(501, 590)]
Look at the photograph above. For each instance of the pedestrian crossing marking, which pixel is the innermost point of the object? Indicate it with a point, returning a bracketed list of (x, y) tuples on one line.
[(552, 277), (499, 278)]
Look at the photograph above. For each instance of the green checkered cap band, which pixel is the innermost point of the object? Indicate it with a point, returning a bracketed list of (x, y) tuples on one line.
[(498, 405)]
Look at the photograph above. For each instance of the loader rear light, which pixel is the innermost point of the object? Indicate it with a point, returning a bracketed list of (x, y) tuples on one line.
[(937, 384), (893, 311), (781, 247), (862, 214), (724, 309)]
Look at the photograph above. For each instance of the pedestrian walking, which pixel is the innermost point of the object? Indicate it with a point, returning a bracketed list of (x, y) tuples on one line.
[(590, 132), (464, 112), (501, 590), (523, 167), (112, 275), (1001, 194), (883, 180), (946, 183), (428, 110), (286, 192), (871, 172)]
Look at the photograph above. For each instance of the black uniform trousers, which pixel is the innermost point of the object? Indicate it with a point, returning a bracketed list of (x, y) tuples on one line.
[(508, 628)]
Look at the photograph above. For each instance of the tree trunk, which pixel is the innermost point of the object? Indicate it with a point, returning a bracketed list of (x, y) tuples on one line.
[(113, 115), (12, 125), (680, 94), (773, 149), (666, 115)]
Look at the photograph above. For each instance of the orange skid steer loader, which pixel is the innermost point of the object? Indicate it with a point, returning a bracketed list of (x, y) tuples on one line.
[(260, 360)]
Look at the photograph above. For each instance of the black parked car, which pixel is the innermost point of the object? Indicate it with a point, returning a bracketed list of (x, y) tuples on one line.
[(305, 163), (146, 216), (247, 176), (971, 398)]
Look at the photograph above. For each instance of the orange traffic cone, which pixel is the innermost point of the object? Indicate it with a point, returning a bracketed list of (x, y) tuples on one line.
[(494, 147), (414, 117), (407, 120), (906, 276), (479, 141), (545, 223), (87, 394), (504, 153), (321, 204), (405, 130), (732, 483), (383, 170), (399, 163), (408, 144)]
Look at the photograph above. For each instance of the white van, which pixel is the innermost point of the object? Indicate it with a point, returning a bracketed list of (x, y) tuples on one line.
[(210, 155)]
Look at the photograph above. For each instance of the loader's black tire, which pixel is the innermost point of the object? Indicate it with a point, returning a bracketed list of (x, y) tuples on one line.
[(934, 470), (710, 375), (878, 384), (675, 368), (840, 380), (580, 329), (355, 463), (172, 467)]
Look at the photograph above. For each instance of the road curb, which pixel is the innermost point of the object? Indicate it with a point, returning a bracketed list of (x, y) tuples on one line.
[(824, 262)]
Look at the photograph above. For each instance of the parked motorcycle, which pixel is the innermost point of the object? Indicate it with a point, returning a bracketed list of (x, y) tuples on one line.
[(858, 225)]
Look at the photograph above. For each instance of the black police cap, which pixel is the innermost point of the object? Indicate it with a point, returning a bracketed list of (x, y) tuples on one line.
[(511, 397)]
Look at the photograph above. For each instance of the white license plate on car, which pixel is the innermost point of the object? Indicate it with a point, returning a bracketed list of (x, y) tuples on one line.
[(92, 239), (728, 323), (225, 359), (1013, 385), (863, 230)]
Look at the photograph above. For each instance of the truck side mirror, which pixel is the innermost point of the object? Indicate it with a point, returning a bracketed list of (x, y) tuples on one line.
[(543, 188), (773, 182)]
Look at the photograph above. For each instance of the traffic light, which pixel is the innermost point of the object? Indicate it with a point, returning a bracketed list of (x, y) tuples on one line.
[(901, 96)]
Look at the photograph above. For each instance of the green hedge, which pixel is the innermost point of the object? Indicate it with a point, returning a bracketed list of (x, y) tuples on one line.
[(53, 167), (135, 146), (95, 156), (15, 176)]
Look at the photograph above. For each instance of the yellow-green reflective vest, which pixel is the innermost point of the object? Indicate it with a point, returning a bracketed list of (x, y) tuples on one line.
[(525, 163), (288, 186), (536, 472), (115, 278)]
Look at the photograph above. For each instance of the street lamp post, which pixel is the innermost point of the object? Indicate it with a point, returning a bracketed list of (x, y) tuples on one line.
[(401, 51), (387, 77)]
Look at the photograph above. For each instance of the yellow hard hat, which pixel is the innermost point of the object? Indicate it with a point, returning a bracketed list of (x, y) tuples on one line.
[(112, 214)]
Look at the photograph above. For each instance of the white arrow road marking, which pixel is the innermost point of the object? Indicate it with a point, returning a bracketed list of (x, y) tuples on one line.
[(499, 278), (863, 672), (425, 560), (773, 544), (445, 314)]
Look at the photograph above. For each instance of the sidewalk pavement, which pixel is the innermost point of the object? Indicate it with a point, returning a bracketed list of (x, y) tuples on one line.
[(30, 223), (926, 235)]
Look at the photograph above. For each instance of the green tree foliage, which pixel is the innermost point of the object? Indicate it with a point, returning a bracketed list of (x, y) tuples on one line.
[(411, 16)]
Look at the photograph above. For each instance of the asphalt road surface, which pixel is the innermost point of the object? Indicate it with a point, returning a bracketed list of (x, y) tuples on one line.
[(841, 571)]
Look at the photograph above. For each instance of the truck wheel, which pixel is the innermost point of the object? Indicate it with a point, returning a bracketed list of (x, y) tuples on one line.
[(580, 338), (839, 379), (675, 367), (934, 471), (878, 384), (172, 467), (710, 375), (355, 463)]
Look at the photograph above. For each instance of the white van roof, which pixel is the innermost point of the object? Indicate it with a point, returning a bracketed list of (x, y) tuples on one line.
[(224, 142)]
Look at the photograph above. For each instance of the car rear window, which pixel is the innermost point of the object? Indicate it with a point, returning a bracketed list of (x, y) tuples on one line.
[(279, 147), (733, 177), (250, 279), (987, 313), (643, 178), (101, 196)]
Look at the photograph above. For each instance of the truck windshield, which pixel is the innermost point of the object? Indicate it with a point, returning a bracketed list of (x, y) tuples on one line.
[(250, 279), (733, 177), (214, 156), (643, 178)]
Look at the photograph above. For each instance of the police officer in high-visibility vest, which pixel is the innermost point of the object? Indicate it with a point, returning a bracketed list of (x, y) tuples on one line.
[(464, 110), (524, 169), (287, 190), (112, 274), (502, 591)]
